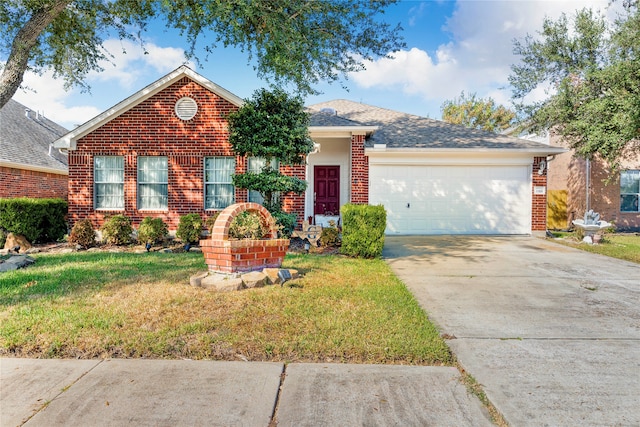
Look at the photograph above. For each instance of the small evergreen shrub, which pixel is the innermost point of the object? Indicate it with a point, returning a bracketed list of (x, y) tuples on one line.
[(247, 225), (330, 236), (152, 230), (189, 228), (117, 230), (285, 223), (3, 238), (83, 234), (363, 230)]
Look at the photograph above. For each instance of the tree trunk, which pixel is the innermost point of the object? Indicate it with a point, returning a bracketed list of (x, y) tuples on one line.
[(25, 40)]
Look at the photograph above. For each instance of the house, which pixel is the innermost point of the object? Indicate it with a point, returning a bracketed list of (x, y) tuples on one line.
[(29, 165), (164, 152), (577, 185)]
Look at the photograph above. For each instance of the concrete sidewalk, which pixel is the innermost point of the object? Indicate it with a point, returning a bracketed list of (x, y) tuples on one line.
[(119, 392)]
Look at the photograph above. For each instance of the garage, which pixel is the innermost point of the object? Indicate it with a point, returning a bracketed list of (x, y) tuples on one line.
[(453, 199)]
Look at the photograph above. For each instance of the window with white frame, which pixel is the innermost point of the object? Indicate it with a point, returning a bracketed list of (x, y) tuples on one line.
[(108, 182), (218, 189), (629, 190), (255, 165), (153, 183)]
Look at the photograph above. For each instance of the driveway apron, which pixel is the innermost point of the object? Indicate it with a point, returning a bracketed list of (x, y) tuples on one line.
[(552, 333)]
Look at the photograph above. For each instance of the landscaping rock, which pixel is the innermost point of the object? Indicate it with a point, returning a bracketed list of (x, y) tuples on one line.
[(254, 279), (14, 240), (196, 279), (16, 262), (221, 283)]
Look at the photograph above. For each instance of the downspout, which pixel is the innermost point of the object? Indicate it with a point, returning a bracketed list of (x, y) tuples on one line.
[(588, 183)]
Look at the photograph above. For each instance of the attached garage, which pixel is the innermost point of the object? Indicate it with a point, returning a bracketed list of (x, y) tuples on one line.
[(453, 199)]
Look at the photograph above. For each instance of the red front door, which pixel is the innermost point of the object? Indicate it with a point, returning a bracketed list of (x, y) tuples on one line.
[(326, 188)]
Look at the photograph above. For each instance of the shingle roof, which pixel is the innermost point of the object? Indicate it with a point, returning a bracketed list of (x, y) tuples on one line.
[(407, 131), (25, 137)]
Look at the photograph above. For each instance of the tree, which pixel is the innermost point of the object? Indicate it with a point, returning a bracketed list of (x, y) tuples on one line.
[(292, 41), (591, 71), (274, 126), (477, 113)]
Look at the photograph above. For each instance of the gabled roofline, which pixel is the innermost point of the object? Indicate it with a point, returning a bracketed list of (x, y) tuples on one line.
[(69, 140)]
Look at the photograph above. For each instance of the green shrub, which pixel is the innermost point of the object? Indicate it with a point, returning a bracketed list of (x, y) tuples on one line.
[(83, 233), (285, 223), (3, 238), (152, 230), (38, 220), (189, 228), (330, 236), (247, 225), (117, 230), (363, 230)]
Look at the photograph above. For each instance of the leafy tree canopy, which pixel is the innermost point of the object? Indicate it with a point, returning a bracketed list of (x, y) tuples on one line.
[(591, 72), (477, 113), (300, 42)]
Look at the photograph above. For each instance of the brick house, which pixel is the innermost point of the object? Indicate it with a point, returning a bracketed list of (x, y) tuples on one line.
[(164, 152), (576, 185), (29, 165)]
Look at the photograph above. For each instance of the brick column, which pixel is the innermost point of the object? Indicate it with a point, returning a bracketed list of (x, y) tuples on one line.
[(359, 171), (538, 201)]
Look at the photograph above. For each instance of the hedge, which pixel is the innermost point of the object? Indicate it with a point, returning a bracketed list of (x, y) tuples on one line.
[(363, 230), (38, 220)]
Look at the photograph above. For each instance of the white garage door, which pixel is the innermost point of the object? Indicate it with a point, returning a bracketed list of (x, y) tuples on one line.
[(453, 199)]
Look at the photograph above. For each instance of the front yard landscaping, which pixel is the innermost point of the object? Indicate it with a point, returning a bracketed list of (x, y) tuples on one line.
[(622, 246), (102, 304)]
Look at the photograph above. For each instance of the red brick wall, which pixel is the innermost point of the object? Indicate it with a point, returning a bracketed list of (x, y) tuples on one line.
[(538, 201), (26, 183), (294, 203), (359, 171), (152, 129)]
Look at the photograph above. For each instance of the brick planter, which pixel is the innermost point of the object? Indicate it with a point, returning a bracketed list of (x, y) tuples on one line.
[(223, 255)]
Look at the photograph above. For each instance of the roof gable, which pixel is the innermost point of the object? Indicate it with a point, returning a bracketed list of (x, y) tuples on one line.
[(69, 140), (25, 138)]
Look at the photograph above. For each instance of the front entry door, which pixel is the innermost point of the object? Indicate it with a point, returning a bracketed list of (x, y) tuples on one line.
[(326, 188)]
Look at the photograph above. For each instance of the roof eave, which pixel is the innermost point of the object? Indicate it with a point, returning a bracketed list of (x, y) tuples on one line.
[(537, 151), (341, 131), (34, 168)]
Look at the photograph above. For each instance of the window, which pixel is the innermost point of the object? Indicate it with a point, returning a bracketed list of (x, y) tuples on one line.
[(255, 165), (108, 181), (629, 190), (218, 189), (153, 183)]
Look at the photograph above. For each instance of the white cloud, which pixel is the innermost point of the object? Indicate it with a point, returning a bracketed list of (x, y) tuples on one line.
[(479, 55), (129, 69)]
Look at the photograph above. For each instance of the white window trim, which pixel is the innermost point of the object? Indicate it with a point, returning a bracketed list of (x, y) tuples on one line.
[(206, 183), (95, 184), (139, 183), (637, 195)]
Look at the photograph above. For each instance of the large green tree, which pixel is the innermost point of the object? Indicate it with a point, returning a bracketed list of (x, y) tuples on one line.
[(591, 72), (298, 42), (477, 113)]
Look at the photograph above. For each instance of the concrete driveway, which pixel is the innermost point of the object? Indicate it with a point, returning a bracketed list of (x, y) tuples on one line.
[(552, 333)]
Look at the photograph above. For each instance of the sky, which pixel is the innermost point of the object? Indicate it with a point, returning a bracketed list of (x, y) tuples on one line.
[(452, 46)]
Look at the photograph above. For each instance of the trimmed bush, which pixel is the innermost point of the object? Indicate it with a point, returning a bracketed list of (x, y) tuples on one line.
[(83, 234), (189, 228), (117, 230), (247, 225), (38, 220), (330, 236), (285, 222), (152, 230), (3, 238), (363, 230)]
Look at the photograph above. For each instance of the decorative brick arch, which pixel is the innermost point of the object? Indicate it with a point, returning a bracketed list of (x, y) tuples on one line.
[(223, 255), (220, 229)]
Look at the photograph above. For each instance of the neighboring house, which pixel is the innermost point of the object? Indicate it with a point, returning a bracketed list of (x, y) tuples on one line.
[(29, 165), (615, 199), (164, 152)]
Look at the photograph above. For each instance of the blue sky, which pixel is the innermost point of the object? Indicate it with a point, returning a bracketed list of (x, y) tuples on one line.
[(452, 46)]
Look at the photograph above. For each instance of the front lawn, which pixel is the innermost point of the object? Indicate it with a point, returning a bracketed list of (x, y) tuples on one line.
[(622, 246), (101, 304)]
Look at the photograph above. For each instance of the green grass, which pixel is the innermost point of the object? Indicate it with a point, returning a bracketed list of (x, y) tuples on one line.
[(101, 304), (622, 246)]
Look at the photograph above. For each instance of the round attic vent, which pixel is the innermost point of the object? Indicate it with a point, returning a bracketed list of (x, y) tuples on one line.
[(186, 108)]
